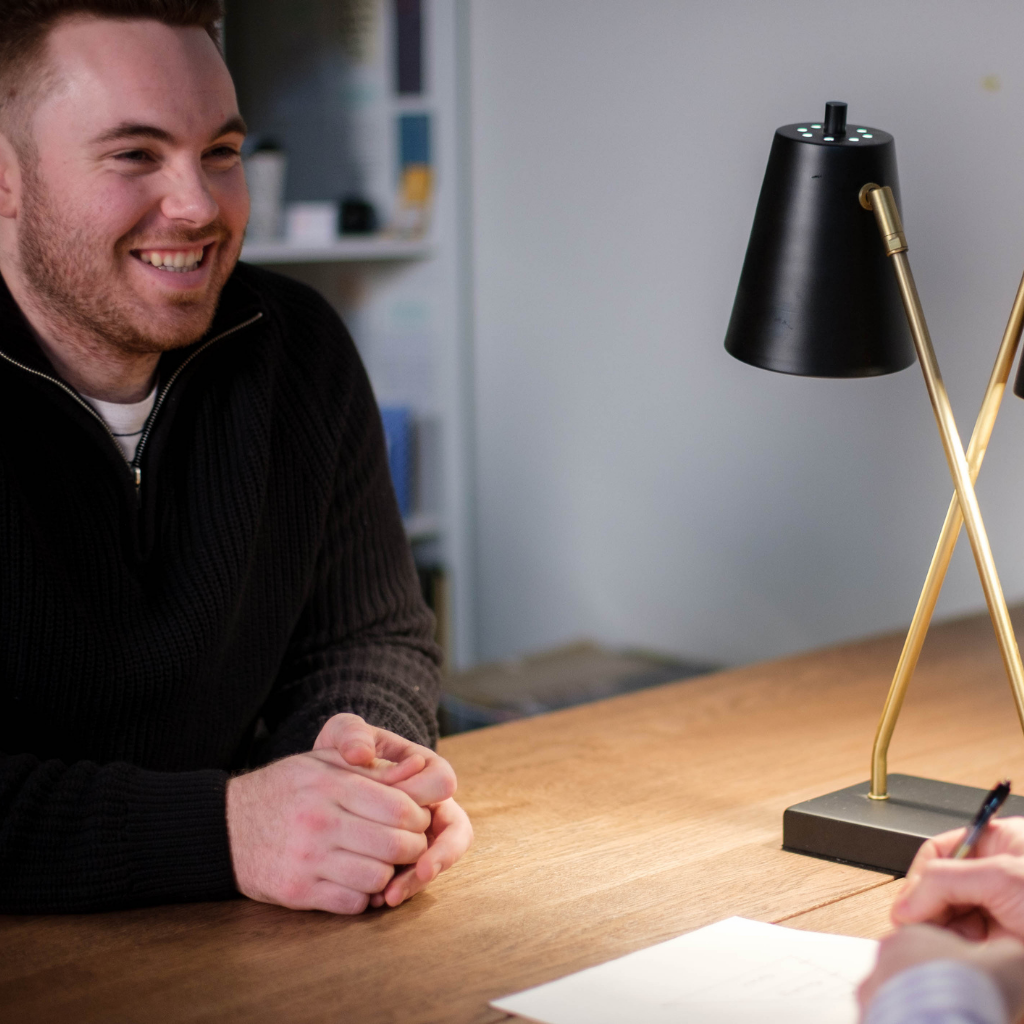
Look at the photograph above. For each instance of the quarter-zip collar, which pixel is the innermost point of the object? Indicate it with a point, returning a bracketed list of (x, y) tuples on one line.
[(238, 308)]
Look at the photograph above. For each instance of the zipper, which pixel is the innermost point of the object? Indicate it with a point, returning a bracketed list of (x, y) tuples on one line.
[(151, 419), (71, 391), (133, 467)]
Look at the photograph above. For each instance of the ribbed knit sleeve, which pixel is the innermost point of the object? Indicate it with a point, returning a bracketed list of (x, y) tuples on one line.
[(364, 643), (83, 837)]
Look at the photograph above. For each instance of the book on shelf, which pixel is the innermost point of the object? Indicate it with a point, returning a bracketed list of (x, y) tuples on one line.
[(408, 58), (398, 434), (415, 180)]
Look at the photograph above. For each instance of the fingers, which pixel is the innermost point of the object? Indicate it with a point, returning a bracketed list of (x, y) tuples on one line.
[(351, 737), (388, 772), (1003, 835), (381, 842), (369, 799), (973, 925), (334, 898), (417, 771), (434, 784), (939, 847), (452, 836), (353, 871), (306, 833), (945, 889), (403, 770)]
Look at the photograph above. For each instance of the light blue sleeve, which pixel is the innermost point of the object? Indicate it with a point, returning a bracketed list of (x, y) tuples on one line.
[(938, 992)]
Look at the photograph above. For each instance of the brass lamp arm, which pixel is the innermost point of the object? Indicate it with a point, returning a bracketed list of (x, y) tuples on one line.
[(965, 503), (976, 450)]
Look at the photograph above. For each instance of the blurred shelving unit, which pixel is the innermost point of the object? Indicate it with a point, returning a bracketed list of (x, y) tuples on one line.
[(346, 250), (322, 79), (422, 527)]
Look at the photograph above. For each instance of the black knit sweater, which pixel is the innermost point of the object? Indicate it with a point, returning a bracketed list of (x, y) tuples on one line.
[(156, 636)]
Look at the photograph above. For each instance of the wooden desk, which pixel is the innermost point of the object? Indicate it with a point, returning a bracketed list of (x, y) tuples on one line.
[(600, 830)]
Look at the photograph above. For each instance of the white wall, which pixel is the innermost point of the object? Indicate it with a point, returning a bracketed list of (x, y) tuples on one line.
[(635, 483)]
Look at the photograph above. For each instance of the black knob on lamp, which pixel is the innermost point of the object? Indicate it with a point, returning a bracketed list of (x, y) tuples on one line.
[(835, 118)]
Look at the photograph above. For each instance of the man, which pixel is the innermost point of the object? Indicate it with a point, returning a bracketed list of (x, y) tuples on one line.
[(958, 957), (202, 566)]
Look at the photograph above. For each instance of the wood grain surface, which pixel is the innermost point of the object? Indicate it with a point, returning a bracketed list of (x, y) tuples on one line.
[(865, 915), (600, 830)]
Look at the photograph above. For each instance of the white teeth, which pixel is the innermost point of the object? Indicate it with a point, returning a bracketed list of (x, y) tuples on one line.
[(176, 262)]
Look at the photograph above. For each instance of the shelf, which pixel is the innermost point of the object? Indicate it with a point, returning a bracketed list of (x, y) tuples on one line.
[(357, 249), (422, 527)]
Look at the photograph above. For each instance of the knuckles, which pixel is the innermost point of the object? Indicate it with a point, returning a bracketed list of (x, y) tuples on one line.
[(404, 847), (394, 848), (380, 876), (294, 892), (314, 820), (351, 903), (447, 782), (410, 817)]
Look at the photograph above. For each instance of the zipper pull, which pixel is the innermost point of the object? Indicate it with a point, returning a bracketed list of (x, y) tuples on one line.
[(137, 473)]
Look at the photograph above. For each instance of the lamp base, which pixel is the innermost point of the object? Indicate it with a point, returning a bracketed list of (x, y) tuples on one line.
[(882, 834)]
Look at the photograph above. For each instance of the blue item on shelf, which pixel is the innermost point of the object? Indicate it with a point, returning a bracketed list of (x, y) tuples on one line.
[(413, 139), (398, 434)]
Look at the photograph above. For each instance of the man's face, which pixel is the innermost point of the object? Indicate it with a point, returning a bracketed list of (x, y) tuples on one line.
[(133, 198)]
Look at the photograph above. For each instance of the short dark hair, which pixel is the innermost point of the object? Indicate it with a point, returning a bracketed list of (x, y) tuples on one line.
[(26, 24)]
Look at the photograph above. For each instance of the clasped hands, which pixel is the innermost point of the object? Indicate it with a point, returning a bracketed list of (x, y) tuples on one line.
[(365, 818), (969, 910)]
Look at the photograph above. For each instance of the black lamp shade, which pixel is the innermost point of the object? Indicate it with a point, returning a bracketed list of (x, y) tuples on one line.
[(817, 296)]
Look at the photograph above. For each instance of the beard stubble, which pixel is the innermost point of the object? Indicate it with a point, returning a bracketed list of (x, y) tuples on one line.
[(76, 277)]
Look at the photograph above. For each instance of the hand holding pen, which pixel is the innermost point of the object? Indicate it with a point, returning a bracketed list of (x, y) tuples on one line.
[(994, 799), (979, 896)]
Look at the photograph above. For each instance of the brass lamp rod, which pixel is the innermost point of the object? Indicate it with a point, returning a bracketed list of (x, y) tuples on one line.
[(881, 201), (944, 549)]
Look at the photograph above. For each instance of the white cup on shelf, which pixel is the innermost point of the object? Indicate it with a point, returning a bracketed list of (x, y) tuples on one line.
[(265, 171), (311, 224)]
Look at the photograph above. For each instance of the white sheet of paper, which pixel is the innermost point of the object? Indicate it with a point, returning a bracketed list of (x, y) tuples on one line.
[(732, 972)]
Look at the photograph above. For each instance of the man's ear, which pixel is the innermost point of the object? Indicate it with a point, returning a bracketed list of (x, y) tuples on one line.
[(10, 179)]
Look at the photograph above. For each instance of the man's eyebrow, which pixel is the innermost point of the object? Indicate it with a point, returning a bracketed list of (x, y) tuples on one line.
[(232, 125), (133, 130)]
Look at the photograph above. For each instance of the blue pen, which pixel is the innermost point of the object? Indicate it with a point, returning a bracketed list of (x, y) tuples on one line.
[(992, 802)]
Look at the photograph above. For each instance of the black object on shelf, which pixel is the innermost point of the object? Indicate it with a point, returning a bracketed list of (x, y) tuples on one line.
[(357, 217)]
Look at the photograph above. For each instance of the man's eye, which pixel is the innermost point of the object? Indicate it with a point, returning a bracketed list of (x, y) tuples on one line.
[(222, 153), (135, 156)]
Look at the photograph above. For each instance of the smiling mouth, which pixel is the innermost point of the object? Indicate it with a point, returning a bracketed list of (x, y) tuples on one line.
[(174, 261)]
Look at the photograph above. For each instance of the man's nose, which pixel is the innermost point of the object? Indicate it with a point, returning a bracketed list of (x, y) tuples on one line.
[(188, 197)]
